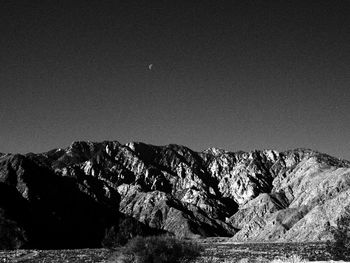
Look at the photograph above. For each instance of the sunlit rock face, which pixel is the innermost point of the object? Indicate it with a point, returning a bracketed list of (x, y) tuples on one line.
[(76, 194), (312, 191)]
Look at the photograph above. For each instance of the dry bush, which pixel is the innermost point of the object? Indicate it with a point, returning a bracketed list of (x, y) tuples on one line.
[(261, 259), (243, 260), (158, 249), (340, 249), (291, 259)]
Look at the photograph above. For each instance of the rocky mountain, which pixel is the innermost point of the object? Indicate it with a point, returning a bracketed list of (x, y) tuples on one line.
[(83, 195)]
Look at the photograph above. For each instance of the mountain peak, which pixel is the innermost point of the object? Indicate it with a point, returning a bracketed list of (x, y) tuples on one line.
[(215, 151)]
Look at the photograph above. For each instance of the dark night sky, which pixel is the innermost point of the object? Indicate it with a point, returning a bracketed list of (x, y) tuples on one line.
[(239, 75)]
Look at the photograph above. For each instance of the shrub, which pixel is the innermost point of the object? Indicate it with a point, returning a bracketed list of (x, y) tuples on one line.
[(158, 249), (126, 229), (291, 259), (261, 259), (340, 249), (243, 260)]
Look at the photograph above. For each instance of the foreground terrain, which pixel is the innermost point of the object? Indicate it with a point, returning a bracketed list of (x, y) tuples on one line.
[(214, 252), (56, 256)]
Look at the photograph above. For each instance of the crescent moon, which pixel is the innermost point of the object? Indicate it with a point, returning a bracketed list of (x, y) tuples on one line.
[(150, 66)]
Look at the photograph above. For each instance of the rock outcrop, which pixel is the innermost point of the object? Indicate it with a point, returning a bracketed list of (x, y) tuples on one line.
[(76, 196)]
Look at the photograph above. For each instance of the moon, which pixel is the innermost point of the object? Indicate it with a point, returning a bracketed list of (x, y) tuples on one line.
[(150, 66)]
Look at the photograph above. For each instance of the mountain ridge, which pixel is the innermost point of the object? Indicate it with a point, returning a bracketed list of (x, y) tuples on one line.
[(217, 149), (260, 195)]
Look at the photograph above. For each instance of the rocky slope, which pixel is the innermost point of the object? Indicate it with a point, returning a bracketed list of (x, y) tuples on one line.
[(77, 196)]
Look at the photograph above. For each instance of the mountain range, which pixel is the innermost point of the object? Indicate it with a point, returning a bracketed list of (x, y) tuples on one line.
[(91, 193)]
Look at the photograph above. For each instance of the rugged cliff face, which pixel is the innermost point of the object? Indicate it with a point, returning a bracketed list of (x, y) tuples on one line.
[(75, 195)]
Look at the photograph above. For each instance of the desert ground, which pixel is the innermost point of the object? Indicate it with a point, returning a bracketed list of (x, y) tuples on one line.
[(216, 250)]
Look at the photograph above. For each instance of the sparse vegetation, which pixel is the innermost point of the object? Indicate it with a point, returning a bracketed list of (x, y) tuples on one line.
[(290, 259), (260, 259), (158, 249), (127, 229), (210, 252), (340, 249)]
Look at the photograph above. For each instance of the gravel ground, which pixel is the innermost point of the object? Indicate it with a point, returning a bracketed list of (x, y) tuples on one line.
[(56, 256), (216, 250)]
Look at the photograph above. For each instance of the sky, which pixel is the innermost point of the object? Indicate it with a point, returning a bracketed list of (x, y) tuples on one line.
[(237, 75)]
